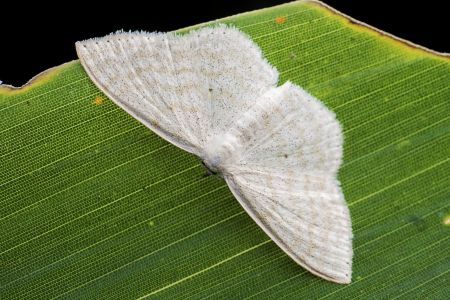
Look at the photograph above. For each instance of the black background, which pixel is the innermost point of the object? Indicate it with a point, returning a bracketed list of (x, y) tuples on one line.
[(34, 39)]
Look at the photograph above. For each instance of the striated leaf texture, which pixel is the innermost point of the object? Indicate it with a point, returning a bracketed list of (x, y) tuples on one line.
[(94, 205)]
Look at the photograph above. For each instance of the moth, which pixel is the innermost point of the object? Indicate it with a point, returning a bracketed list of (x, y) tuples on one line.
[(212, 93)]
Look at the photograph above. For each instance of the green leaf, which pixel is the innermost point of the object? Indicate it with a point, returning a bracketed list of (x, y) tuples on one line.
[(94, 205)]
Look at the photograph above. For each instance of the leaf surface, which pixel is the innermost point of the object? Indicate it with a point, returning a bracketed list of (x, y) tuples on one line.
[(94, 205)]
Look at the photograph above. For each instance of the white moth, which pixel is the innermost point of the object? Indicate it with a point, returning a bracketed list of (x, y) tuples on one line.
[(212, 93)]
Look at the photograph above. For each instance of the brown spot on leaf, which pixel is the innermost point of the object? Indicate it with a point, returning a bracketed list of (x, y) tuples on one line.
[(280, 19), (98, 100)]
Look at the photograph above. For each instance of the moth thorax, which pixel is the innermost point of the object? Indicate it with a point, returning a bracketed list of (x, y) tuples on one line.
[(219, 150)]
